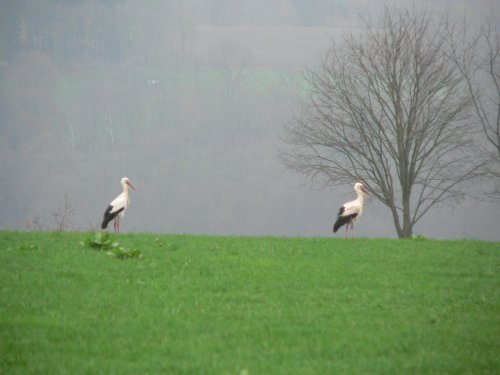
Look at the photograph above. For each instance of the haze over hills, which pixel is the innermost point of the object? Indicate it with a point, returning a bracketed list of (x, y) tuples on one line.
[(190, 102)]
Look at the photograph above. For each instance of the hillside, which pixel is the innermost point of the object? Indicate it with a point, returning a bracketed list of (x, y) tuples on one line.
[(243, 305)]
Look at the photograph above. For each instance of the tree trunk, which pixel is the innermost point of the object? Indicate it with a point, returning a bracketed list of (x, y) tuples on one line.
[(407, 231), (395, 217)]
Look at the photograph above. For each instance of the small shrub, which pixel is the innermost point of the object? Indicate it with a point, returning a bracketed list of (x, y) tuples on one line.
[(122, 253), (102, 241)]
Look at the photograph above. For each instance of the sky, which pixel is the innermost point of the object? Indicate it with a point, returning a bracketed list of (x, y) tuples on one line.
[(190, 100)]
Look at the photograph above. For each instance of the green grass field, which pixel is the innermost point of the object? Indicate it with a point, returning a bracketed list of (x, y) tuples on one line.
[(236, 305)]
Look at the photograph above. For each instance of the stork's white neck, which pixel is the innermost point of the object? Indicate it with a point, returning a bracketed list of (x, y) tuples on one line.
[(125, 188), (361, 195)]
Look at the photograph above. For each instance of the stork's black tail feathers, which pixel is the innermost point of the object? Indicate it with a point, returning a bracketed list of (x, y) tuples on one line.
[(342, 220), (108, 216)]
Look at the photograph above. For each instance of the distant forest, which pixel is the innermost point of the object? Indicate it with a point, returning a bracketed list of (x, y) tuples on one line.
[(73, 31), (146, 32)]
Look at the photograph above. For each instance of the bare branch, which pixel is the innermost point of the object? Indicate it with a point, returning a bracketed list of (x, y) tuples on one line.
[(476, 54)]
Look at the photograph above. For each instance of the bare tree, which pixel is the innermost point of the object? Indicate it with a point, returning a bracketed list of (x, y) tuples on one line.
[(63, 214), (477, 56), (388, 109), (34, 224)]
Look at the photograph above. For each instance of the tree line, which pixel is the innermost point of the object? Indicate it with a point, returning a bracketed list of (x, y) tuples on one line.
[(152, 33)]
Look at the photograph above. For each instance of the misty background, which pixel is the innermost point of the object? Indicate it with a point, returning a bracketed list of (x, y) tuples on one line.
[(188, 99)]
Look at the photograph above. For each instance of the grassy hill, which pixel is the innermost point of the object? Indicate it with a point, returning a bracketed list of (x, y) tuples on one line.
[(236, 305)]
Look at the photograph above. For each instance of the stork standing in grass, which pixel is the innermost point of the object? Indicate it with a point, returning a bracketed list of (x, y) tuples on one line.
[(351, 211), (117, 207)]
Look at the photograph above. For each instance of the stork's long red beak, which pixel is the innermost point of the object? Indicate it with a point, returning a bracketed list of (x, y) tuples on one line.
[(130, 184)]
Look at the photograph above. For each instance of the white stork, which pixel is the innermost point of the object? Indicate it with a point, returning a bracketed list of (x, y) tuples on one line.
[(351, 211), (117, 207)]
